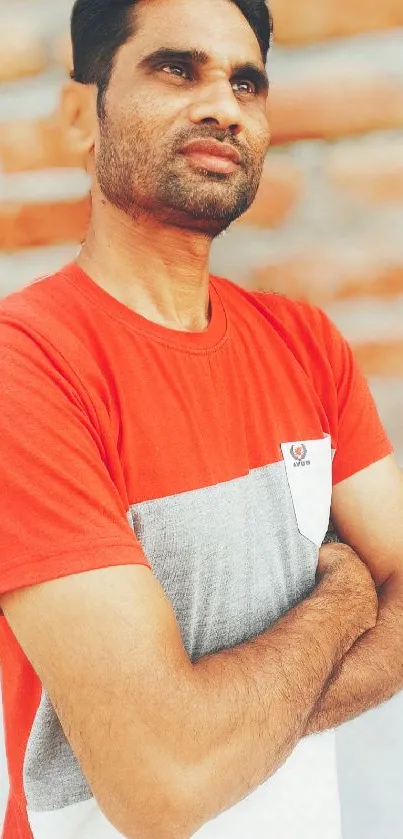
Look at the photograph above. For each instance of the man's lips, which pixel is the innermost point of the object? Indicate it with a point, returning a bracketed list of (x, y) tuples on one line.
[(212, 155)]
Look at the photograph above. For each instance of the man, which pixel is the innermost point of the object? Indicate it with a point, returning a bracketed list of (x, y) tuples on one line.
[(174, 632)]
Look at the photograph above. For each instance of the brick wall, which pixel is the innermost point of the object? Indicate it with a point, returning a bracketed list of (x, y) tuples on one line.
[(327, 223)]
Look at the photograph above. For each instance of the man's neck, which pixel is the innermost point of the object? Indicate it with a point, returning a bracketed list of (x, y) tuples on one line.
[(160, 272)]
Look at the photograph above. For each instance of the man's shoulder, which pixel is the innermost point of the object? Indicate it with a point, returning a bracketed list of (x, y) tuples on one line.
[(36, 300), (39, 322), (299, 316)]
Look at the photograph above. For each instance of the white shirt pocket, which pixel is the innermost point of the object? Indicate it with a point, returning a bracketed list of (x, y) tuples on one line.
[(308, 466)]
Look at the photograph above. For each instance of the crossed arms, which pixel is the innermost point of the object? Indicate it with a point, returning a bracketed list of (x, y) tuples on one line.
[(367, 511), (196, 739)]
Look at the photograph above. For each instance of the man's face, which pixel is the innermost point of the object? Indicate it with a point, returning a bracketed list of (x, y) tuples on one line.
[(192, 72)]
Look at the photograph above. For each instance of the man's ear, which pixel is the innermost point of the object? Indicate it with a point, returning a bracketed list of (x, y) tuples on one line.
[(78, 115)]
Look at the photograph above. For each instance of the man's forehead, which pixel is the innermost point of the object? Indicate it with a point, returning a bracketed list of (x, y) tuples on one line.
[(216, 28)]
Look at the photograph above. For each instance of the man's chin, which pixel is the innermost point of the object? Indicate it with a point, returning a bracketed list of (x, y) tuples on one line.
[(209, 212), (211, 220)]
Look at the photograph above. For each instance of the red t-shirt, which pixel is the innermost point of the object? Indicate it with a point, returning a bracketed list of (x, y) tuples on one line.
[(123, 442)]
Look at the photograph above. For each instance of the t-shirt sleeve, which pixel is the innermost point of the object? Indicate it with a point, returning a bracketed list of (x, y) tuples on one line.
[(61, 512), (360, 436)]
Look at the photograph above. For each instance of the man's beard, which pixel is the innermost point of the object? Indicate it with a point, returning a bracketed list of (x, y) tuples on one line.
[(138, 181)]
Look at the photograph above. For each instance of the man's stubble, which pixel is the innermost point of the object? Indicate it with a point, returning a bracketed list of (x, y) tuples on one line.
[(140, 177)]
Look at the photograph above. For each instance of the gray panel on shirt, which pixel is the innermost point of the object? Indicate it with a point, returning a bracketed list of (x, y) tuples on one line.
[(231, 559)]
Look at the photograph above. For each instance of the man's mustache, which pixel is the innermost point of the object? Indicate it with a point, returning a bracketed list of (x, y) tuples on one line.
[(209, 132)]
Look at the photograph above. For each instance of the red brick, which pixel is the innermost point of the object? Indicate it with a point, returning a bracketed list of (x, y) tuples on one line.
[(380, 358), (36, 144), (21, 52), (374, 281), (281, 188), (334, 107), (371, 174), (319, 276), (302, 21), (301, 276), (27, 225)]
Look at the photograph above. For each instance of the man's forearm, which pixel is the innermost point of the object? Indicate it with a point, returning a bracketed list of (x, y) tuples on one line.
[(250, 704), (371, 672)]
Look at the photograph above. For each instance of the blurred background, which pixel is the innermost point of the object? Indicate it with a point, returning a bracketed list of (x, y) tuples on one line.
[(327, 226)]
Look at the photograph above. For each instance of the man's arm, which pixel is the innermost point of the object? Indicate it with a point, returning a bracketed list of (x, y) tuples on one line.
[(147, 725), (368, 513)]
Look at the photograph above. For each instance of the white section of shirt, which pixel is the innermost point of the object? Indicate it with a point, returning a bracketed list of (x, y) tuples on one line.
[(308, 466)]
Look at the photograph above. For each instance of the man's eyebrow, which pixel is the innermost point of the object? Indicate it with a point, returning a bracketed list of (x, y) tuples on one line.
[(248, 69), (253, 72), (170, 54)]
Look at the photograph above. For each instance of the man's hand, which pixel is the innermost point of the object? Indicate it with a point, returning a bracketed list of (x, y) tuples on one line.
[(339, 565)]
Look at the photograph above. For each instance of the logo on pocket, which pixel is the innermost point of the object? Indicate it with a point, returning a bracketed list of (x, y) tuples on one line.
[(299, 453)]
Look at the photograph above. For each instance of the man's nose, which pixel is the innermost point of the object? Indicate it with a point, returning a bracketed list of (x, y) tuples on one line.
[(217, 104)]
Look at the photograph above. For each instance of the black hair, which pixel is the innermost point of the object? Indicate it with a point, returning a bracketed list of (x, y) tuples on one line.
[(100, 27)]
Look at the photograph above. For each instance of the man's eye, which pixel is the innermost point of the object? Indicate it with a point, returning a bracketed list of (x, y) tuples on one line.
[(176, 70), (245, 86)]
